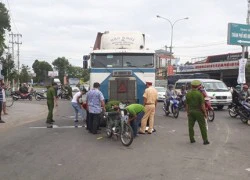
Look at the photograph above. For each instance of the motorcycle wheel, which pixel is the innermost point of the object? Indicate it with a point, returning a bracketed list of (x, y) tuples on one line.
[(232, 112), (175, 112), (210, 115), (243, 119), (14, 98), (30, 98), (126, 135), (38, 98), (109, 128)]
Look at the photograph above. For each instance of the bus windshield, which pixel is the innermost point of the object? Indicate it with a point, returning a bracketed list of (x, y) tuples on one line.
[(122, 60)]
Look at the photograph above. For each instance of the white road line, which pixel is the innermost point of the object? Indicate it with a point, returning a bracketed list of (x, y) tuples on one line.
[(248, 169), (56, 127)]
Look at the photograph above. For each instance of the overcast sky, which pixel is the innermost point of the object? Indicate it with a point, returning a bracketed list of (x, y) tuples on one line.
[(56, 28)]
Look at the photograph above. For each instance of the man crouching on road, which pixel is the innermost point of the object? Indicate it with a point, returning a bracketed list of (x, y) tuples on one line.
[(195, 106), (136, 112), (51, 102)]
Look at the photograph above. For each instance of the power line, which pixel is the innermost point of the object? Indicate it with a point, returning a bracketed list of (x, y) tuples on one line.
[(203, 45), (11, 15)]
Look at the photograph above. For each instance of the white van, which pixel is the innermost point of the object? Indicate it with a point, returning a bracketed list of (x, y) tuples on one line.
[(215, 89)]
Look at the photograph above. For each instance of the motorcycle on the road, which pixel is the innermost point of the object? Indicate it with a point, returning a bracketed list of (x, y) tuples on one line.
[(173, 107), (40, 95), (209, 109), (116, 124), (18, 95)]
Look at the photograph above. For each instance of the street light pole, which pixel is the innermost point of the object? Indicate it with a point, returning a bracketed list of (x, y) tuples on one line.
[(172, 33)]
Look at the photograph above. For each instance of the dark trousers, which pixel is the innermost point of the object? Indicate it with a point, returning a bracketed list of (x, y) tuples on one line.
[(50, 104), (94, 122), (136, 122)]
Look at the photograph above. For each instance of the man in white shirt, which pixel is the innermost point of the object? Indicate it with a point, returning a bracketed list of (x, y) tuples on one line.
[(76, 104)]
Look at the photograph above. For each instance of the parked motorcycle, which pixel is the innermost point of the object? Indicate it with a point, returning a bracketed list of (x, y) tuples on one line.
[(64, 94), (17, 95), (173, 107), (40, 95), (117, 125)]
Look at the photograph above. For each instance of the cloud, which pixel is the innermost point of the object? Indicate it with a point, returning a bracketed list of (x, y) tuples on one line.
[(55, 28)]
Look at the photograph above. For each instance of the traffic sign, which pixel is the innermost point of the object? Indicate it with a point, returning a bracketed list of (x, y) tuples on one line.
[(238, 34)]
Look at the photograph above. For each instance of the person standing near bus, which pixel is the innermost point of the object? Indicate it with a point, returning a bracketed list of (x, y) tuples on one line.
[(195, 106), (95, 103), (150, 102)]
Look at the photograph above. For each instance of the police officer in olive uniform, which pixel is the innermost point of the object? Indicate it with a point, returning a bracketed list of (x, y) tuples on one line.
[(195, 106), (51, 101)]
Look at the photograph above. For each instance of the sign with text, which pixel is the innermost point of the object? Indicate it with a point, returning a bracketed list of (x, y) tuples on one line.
[(238, 34), (209, 66)]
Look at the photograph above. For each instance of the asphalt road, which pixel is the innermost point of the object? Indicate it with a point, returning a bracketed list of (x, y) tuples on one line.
[(29, 152)]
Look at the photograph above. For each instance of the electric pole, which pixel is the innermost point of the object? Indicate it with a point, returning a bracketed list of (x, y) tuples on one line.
[(18, 42)]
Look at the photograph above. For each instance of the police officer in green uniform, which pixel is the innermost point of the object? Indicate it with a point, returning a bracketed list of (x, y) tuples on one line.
[(195, 106), (51, 101)]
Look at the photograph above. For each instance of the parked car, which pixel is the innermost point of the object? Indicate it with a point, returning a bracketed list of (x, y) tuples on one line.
[(75, 89), (161, 93)]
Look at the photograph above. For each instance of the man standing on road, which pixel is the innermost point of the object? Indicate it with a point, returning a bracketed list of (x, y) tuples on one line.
[(136, 112), (51, 102), (150, 102), (95, 103), (76, 104), (195, 106)]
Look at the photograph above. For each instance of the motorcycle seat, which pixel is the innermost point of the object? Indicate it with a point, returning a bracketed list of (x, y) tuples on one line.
[(246, 104)]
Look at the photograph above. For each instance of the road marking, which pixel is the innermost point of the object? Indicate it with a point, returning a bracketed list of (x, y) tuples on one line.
[(248, 169), (56, 127), (99, 138)]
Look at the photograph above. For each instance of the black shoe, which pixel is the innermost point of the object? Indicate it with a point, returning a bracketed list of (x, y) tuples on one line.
[(49, 126), (1, 121), (206, 142), (76, 121), (192, 141), (52, 121), (154, 130)]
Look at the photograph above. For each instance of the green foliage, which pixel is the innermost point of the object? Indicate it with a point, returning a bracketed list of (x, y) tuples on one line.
[(77, 72), (25, 74), (8, 66), (61, 64), (110, 104), (41, 69), (4, 25)]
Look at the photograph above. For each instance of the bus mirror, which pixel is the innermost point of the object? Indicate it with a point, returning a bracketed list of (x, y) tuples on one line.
[(85, 64)]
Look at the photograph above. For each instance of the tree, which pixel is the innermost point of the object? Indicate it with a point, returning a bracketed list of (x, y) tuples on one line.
[(25, 74), (77, 72), (4, 25), (61, 64), (8, 66), (41, 69)]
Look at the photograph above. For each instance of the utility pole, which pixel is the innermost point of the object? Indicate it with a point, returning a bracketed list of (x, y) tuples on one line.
[(12, 45), (18, 42)]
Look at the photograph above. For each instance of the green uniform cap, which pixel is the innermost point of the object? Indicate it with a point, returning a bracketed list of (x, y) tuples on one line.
[(195, 83)]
